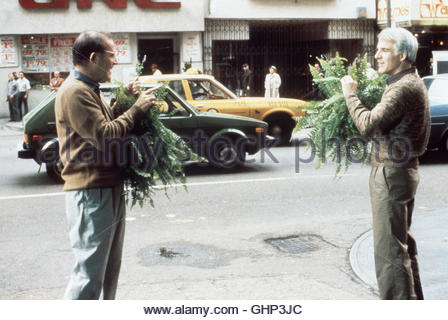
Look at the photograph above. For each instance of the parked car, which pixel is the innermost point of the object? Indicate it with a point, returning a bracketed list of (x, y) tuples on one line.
[(223, 139), (206, 93), (437, 86)]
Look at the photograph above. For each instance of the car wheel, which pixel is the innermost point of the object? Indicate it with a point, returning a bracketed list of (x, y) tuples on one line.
[(224, 152), (281, 128), (54, 170)]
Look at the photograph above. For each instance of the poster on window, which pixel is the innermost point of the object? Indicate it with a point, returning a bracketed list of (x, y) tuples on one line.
[(61, 52), (122, 53), (8, 51), (191, 43), (35, 57)]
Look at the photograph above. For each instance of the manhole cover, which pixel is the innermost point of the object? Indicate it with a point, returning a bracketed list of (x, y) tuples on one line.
[(189, 254), (295, 244)]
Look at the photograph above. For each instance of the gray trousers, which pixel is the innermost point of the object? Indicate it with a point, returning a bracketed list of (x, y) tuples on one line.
[(96, 221), (392, 192)]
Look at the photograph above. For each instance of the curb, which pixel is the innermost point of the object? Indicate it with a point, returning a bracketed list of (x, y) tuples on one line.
[(430, 230), (15, 126), (360, 263)]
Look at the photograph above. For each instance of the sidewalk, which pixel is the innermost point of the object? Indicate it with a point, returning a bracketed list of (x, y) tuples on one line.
[(431, 232), (9, 125)]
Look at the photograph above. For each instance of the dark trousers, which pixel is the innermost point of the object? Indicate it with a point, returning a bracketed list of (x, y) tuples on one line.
[(25, 104), (14, 114), (392, 192)]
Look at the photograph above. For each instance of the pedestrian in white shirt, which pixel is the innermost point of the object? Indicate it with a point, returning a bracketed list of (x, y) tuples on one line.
[(155, 70), (272, 83), (24, 88)]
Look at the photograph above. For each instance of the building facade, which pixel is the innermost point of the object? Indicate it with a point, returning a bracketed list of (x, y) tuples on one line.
[(37, 35), (289, 34), (214, 36)]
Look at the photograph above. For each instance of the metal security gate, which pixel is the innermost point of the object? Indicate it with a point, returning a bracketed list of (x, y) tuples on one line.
[(289, 45)]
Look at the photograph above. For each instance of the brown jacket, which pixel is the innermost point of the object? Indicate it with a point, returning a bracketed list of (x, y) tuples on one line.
[(85, 124), (400, 124)]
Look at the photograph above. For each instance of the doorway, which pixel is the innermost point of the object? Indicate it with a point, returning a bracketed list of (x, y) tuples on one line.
[(158, 51)]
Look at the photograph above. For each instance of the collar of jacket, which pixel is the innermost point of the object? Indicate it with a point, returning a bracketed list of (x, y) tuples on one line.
[(400, 75), (95, 86)]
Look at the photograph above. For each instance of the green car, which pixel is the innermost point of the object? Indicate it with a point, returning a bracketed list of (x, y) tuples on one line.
[(223, 139)]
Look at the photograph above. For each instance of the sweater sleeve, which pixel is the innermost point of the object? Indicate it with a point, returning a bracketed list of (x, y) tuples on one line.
[(383, 116), (85, 116)]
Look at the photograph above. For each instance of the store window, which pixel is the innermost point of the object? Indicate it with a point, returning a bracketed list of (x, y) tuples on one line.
[(44, 54)]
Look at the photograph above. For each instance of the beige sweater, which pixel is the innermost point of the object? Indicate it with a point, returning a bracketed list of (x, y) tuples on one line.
[(86, 127), (400, 124)]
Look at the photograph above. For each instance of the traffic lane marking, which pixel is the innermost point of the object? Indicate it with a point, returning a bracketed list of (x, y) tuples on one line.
[(193, 184)]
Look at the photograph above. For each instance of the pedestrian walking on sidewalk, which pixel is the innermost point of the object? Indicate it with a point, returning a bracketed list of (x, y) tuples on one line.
[(400, 127), (94, 197), (12, 97), (24, 90), (272, 83)]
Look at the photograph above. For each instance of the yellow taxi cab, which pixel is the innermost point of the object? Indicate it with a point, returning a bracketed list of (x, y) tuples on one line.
[(207, 94)]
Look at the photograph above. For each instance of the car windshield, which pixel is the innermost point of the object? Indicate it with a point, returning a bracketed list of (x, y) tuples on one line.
[(437, 88), (171, 107)]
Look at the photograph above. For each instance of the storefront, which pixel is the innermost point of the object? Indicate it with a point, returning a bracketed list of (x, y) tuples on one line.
[(286, 33), (428, 21), (37, 36)]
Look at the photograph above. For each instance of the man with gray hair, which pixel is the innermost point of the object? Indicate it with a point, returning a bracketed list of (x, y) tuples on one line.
[(399, 126)]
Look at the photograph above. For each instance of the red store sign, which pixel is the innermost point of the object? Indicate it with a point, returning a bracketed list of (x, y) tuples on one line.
[(87, 4)]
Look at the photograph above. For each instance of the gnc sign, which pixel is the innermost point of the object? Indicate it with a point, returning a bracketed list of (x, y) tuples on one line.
[(87, 4)]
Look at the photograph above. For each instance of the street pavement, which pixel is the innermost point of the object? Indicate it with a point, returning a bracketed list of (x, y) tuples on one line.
[(429, 226), (431, 233)]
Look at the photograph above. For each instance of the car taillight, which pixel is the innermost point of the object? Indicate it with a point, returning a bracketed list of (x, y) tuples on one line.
[(259, 130), (25, 138), (37, 138)]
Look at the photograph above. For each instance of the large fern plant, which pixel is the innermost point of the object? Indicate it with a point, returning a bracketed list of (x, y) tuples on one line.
[(333, 130), (156, 152)]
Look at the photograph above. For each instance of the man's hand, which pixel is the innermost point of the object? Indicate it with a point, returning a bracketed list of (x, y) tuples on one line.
[(134, 87), (349, 86), (146, 100)]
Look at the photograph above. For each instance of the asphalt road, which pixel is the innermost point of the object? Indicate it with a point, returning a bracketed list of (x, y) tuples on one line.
[(261, 232)]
